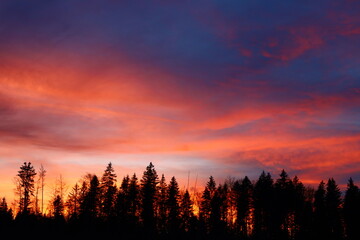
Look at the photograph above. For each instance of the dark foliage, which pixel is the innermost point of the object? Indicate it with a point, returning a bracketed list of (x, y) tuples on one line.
[(281, 209)]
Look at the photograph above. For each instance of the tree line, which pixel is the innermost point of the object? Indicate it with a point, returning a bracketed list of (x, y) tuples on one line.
[(152, 208)]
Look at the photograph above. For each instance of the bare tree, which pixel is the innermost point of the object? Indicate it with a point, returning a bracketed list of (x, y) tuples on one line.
[(17, 193), (42, 173)]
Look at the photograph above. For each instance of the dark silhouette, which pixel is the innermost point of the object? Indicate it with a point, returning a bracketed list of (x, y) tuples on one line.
[(108, 191), (243, 191), (6, 215), (283, 209), (264, 207), (173, 207), (161, 205), (333, 203), (26, 181), (320, 212), (352, 211), (148, 192), (89, 207), (186, 213)]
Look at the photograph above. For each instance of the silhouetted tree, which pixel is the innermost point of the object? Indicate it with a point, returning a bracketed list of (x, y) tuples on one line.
[(302, 209), (320, 212), (186, 211), (149, 183), (89, 207), (108, 191), (218, 211), (42, 174), (283, 214), (6, 215), (206, 210), (40, 184), (173, 206), (244, 206), (333, 203), (122, 199), (26, 176), (134, 197), (263, 207), (236, 209), (83, 192), (224, 194), (161, 204), (58, 207), (352, 211), (73, 202)]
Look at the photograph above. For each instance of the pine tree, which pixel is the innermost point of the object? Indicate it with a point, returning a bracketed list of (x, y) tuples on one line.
[(211, 185), (89, 208), (210, 207), (302, 212), (320, 218), (108, 191), (58, 207), (224, 194), (149, 183), (284, 206), (161, 204), (134, 198), (6, 215), (73, 202), (122, 199), (352, 211), (205, 206), (173, 207), (206, 203), (186, 211), (26, 176), (218, 207), (333, 203), (244, 204), (263, 206)]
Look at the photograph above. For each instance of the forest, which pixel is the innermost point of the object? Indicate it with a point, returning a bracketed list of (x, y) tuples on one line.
[(151, 207)]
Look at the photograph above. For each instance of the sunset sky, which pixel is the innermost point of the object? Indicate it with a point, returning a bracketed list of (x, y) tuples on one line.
[(200, 88)]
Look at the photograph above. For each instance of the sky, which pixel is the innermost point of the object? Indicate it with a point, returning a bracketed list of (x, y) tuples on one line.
[(199, 88)]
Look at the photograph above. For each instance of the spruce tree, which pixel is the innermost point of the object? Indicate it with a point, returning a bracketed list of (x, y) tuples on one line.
[(206, 204), (333, 203), (320, 217), (283, 213), (122, 199), (58, 208), (26, 176), (186, 211), (302, 212), (161, 204), (108, 191), (263, 206), (244, 204), (210, 207), (89, 208), (149, 183), (73, 202), (134, 198), (172, 204), (352, 211), (6, 215)]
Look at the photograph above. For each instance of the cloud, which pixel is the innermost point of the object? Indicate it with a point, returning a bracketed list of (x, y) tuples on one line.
[(227, 88)]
